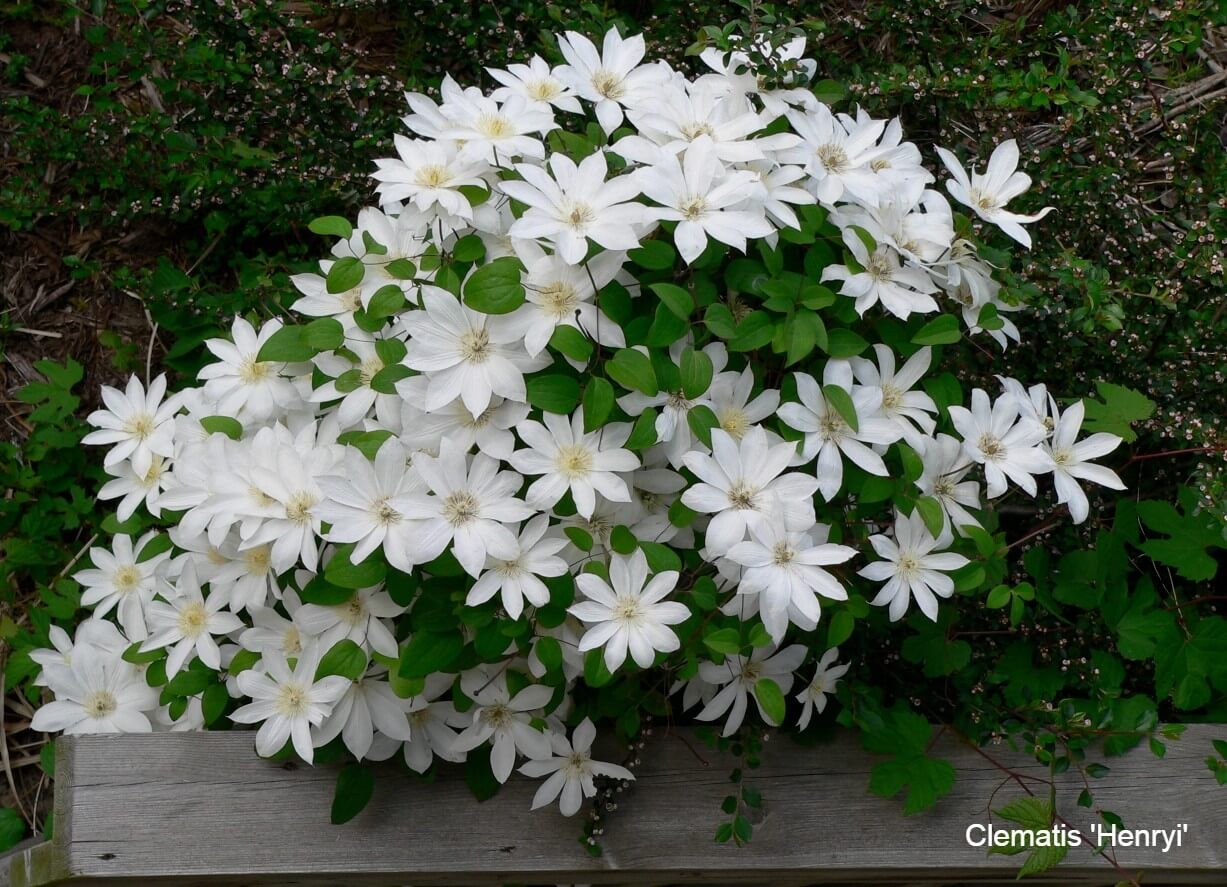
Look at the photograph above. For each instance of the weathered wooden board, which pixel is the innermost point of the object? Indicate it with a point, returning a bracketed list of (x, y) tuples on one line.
[(203, 809)]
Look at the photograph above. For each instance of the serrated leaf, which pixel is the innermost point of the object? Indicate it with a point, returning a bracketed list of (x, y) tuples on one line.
[(1120, 409)]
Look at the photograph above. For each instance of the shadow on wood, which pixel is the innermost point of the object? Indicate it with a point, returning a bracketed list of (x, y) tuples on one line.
[(202, 808)]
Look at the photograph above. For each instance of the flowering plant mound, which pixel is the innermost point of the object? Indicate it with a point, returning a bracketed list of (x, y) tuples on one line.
[(624, 403)]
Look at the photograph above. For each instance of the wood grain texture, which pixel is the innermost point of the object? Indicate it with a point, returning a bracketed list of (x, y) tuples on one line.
[(203, 809)]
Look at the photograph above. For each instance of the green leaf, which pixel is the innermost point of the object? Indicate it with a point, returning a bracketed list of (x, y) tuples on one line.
[(723, 640), (829, 91), (702, 419), (843, 343), (495, 288), (654, 255), (571, 342), (1121, 408), (598, 403), (345, 274), (932, 515), (478, 775), (633, 370), (401, 269), (226, 425), (344, 574), (841, 400), (428, 652), (666, 328), (622, 540), (697, 372), (355, 786), (549, 651), (331, 226), (388, 300), (771, 700), (643, 432), (595, 672), (12, 828), (287, 345), (469, 248), (673, 297), (553, 393), (661, 558), (840, 628), (324, 334), (580, 538), (942, 330), (1191, 535), (344, 658), (754, 331)]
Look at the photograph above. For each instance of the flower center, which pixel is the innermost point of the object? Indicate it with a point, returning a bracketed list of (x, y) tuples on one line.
[(292, 700), (351, 300), (475, 346), (355, 611), (879, 164), (252, 371), (542, 90), (298, 509), (734, 421), (751, 671), (991, 447), (477, 421), (834, 158), (192, 619), (432, 175), (698, 128), (577, 764), (100, 704), (943, 487), (892, 397), (494, 126), (832, 426), (126, 579), (782, 554), (291, 641), (908, 566), (573, 461), (508, 568), (559, 299), (628, 609), (460, 508), (741, 496), (879, 266), (369, 368), (257, 560), (1063, 457), (499, 716), (140, 425), (676, 400), (983, 200), (579, 215), (608, 84), (384, 513), (694, 208)]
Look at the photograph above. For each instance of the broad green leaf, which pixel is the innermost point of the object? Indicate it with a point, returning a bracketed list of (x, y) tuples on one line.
[(841, 401), (655, 255), (287, 345), (673, 297), (428, 652), (771, 700), (696, 371), (355, 786), (344, 658), (495, 288), (553, 393), (942, 330), (598, 403), (226, 425), (345, 274), (633, 370), (331, 226)]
